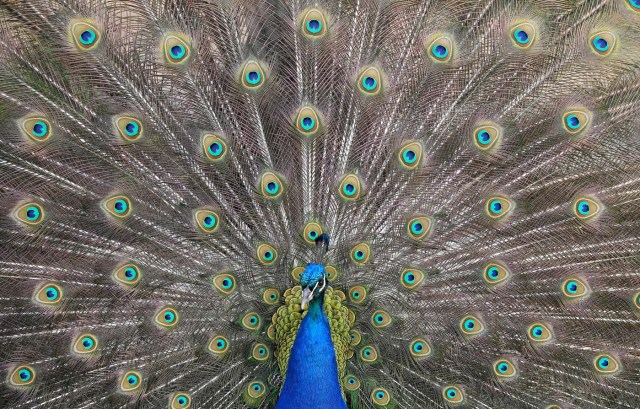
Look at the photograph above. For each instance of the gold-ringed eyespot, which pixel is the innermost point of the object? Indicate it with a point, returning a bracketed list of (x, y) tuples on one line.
[(487, 136), (271, 185), (351, 383), (48, 294), (251, 321), (85, 34), (22, 375), (505, 369), (270, 296), (180, 400), (311, 232), (127, 275), (411, 278), (606, 364), (539, 332), (380, 319), (370, 80), (586, 208), (85, 344), (498, 207), (218, 345), (130, 381), (452, 394), (307, 121), (495, 273), (214, 147), (368, 354), (355, 336), (602, 43), (260, 352), (419, 228), (313, 23), (128, 128), (576, 120), (523, 35), (296, 273), (410, 155), (176, 48), (350, 187), (254, 393), (267, 254), (420, 348), (440, 48), (575, 288), (225, 283), (380, 397), (252, 76), (357, 294), (166, 318), (331, 272), (118, 206), (36, 128), (29, 213), (471, 325), (360, 253)]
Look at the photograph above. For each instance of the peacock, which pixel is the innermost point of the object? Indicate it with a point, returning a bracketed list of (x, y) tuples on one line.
[(320, 204)]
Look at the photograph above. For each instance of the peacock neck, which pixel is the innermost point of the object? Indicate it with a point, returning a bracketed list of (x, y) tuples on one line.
[(312, 372)]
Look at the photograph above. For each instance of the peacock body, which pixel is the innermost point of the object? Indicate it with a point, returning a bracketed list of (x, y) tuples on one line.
[(331, 204)]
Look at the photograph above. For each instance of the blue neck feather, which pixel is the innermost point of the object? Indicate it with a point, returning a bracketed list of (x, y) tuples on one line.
[(312, 373)]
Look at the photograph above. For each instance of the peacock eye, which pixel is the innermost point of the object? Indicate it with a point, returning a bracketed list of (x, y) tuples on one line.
[(267, 254), (419, 228), (208, 221), (380, 397), (602, 43), (251, 321), (539, 332), (180, 400), (586, 208), (30, 213), (471, 325), (128, 128), (130, 382), (214, 147), (440, 48), (411, 278), (48, 294), (22, 375), (271, 185), (504, 368), (166, 318), (270, 296), (296, 273), (254, 393), (36, 128), (85, 34), (351, 383), (118, 206), (218, 345), (575, 121), (357, 294), (307, 121), (225, 283), (260, 352), (420, 348), (350, 187), (523, 35), (606, 364), (253, 76), (498, 207), (487, 136), (331, 272), (176, 48), (360, 253), (575, 288), (314, 24), (370, 81), (355, 336), (410, 155), (85, 344), (453, 394), (634, 4), (311, 232), (380, 319), (368, 354), (495, 273), (127, 275)]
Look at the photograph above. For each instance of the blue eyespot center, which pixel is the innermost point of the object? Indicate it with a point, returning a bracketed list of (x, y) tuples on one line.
[(87, 37), (583, 207), (603, 363), (451, 393), (537, 331), (409, 277), (177, 51), (182, 400), (33, 213), (573, 122), (307, 123), (24, 374), (503, 367), (273, 296), (416, 227), (351, 380), (379, 318), (132, 380), (572, 287), (367, 352), (253, 77), (409, 156), (521, 36), (221, 344), (380, 395), (418, 347), (484, 138), (440, 51), (493, 272), (40, 129), (268, 255), (314, 26), (130, 273), (257, 387), (120, 206), (169, 317), (253, 320), (51, 293), (359, 255), (215, 149), (635, 3), (132, 128), (349, 189), (496, 207), (87, 343), (469, 324), (369, 83), (209, 221), (272, 188), (226, 283), (600, 44)]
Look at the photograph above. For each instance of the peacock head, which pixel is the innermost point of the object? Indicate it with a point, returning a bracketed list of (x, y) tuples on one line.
[(313, 282)]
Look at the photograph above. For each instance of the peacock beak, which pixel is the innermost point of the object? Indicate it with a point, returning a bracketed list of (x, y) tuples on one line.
[(307, 296)]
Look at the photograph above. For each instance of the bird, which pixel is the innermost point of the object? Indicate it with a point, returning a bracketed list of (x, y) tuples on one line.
[(320, 204)]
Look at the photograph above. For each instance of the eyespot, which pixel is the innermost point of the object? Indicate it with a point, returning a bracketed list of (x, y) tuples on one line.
[(370, 81), (575, 121), (351, 383), (634, 5), (380, 319), (296, 273), (410, 155), (270, 185), (586, 208), (270, 296), (130, 381), (495, 273), (452, 394), (218, 345), (251, 321), (30, 213), (176, 49), (331, 273), (307, 121), (22, 375), (214, 147), (357, 294), (606, 364), (360, 253), (368, 354), (85, 35), (355, 336), (260, 352), (252, 76), (505, 369), (419, 228), (167, 318), (255, 392), (314, 24), (380, 396), (267, 254), (539, 332), (118, 206), (410, 278), (487, 136), (48, 294), (350, 187), (128, 275), (420, 348), (311, 232), (471, 325), (85, 344), (207, 220), (523, 35), (440, 49), (225, 283), (128, 128), (575, 288), (180, 400), (498, 207), (36, 128), (602, 43)]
